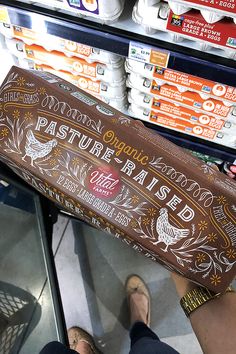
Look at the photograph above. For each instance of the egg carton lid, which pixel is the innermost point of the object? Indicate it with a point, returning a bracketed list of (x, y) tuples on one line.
[(137, 67), (153, 20), (210, 11)]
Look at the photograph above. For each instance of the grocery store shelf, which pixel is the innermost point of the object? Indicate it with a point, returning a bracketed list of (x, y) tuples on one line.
[(196, 144), (116, 38)]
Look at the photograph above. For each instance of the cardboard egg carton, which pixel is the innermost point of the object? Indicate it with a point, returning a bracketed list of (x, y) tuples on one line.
[(175, 110), (115, 96), (119, 176), (183, 126), (188, 99), (69, 48), (95, 87), (191, 25), (183, 81), (104, 10), (212, 11), (59, 61)]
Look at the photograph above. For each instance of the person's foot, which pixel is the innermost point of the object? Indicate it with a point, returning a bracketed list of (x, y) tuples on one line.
[(138, 300), (81, 341)]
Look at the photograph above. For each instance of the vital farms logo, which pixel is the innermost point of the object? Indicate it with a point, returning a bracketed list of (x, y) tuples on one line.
[(104, 182)]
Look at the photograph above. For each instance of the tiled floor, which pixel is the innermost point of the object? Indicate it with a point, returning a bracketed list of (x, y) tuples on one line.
[(92, 268), (25, 301)]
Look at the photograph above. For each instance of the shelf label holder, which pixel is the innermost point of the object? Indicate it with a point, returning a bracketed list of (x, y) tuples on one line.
[(149, 55)]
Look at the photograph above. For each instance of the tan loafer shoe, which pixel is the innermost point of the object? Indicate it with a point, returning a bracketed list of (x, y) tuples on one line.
[(134, 284), (77, 334)]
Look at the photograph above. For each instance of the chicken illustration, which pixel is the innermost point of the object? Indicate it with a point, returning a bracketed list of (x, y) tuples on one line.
[(35, 149), (167, 233)]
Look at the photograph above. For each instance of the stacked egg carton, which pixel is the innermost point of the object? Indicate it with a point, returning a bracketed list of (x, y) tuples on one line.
[(209, 28), (96, 71), (182, 102), (104, 10), (212, 11)]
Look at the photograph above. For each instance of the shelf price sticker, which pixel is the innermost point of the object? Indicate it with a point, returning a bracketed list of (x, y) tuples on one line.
[(4, 17), (146, 54)]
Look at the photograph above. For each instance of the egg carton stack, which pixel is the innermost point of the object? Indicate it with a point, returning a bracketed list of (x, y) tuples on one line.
[(208, 26), (96, 71), (182, 102), (104, 10)]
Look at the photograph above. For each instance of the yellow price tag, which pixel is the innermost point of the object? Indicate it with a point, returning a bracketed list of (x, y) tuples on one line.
[(4, 17)]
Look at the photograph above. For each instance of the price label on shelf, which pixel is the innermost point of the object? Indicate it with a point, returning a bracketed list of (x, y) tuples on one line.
[(4, 17), (146, 54)]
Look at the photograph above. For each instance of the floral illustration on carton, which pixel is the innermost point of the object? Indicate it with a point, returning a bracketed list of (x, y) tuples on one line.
[(20, 81), (125, 203), (10, 80), (196, 252), (74, 168), (12, 132)]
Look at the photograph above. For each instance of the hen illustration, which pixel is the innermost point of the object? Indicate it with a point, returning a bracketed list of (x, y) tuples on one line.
[(167, 233), (35, 149)]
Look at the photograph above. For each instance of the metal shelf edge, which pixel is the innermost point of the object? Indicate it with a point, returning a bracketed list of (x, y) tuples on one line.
[(116, 40)]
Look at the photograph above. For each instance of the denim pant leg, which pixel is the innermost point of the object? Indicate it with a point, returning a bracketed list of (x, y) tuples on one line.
[(56, 348), (145, 341)]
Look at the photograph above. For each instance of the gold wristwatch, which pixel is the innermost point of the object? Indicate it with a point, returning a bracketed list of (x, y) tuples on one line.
[(197, 297)]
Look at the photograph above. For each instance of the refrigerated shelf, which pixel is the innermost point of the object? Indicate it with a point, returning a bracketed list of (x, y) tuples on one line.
[(116, 38)]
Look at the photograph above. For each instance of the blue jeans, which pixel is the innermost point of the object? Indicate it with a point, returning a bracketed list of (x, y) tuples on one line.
[(143, 341)]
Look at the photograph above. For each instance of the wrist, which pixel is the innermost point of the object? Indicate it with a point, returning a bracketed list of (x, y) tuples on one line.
[(183, 285)]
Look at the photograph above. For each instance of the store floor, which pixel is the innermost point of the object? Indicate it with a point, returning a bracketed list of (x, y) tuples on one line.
[(92, 268)]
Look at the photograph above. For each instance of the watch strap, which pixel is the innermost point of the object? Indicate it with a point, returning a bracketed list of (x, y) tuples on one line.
[(197, 297)]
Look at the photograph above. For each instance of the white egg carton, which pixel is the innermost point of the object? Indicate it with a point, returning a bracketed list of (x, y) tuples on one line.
[(183, 81), (104, 10), (182, 126), (175, 110), (191, 26), (189, 99), (69, 48), (120, 104), (211, 11), (59, 61), (97, 87)]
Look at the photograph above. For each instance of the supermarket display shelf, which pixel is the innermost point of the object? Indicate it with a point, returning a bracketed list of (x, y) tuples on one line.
[(193, 143), (116, 38)]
